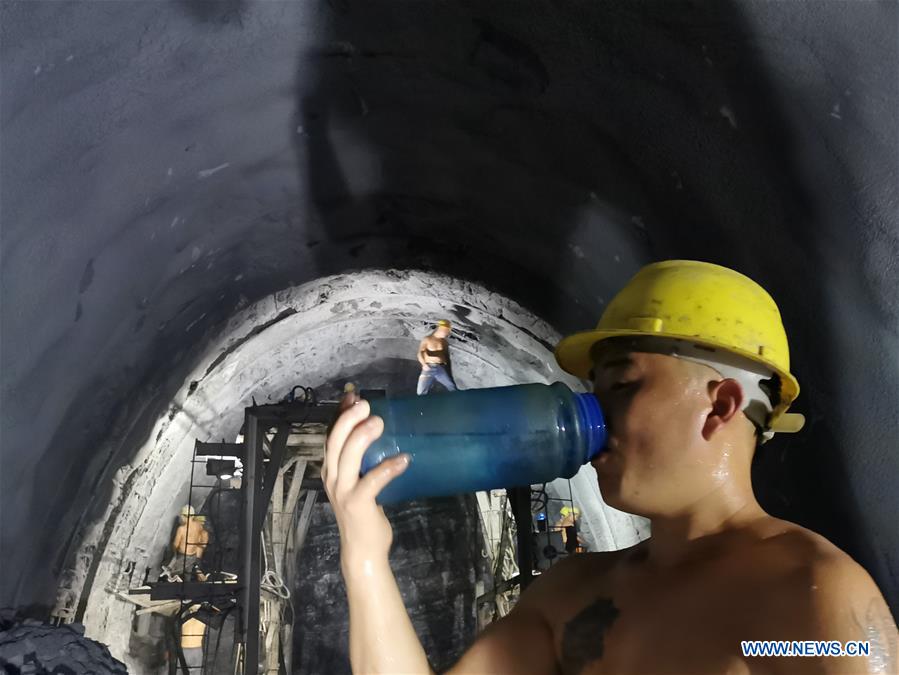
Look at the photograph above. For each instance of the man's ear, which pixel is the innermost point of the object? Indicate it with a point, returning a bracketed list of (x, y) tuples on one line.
[(727, 401)]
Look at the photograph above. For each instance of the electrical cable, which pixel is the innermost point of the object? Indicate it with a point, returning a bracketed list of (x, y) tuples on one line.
[(270, 581)]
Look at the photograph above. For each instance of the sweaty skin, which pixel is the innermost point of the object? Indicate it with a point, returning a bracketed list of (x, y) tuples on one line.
[(193, 541), (717, 569), (434, 348), (192, 633)]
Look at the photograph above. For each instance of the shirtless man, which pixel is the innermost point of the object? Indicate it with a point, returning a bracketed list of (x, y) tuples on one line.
[(433, 355), (684, 418), (191, 539), (192, 633)]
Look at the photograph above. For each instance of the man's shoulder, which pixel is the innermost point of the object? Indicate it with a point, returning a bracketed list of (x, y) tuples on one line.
[(818, 592), (800, 571), (804, 551)]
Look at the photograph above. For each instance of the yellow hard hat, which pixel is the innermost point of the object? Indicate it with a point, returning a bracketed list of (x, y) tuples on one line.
[(188, 512), (569, 510), (707, 304), (443, 322)]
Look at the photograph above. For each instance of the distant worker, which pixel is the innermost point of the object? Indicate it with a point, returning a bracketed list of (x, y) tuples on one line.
[(190, 542), (192, 633), (568, 517), (433, 355)]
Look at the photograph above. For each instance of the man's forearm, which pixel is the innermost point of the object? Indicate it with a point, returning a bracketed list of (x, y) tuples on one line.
[(382, 638)]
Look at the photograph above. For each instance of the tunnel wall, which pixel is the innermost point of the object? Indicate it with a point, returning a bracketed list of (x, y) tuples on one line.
[(166, 163)]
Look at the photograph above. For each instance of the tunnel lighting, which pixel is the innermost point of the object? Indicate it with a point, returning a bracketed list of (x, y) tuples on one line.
[(223, 468)]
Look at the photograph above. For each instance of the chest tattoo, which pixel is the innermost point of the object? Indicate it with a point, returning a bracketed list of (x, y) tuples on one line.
[(583, 636)]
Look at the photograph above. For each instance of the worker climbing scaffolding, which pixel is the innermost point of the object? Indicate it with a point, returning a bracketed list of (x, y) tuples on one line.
[(188, 546)]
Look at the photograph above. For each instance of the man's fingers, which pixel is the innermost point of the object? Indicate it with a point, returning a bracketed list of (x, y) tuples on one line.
[(341, 430), (348, 399), (354, 448), (371, 484), (350, 396)]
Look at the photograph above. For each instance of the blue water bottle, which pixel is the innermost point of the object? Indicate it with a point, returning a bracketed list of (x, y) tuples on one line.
[(481, 439)]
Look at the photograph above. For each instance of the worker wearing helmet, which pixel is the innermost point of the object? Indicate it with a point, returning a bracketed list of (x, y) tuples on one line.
[(433, 355), (691, 366), (191, 539), (567, 523)]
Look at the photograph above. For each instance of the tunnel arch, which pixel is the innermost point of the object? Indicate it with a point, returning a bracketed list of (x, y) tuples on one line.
[(319, 334), (165, 165)]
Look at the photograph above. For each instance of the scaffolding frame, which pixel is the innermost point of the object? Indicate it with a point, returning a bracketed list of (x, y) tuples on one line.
[(282, 451), (261, 482)]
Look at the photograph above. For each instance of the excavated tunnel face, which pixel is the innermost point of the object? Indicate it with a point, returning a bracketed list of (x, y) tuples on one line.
[(170, 168)]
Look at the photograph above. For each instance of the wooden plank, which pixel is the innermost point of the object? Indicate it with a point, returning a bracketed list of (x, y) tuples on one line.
[(273, 637), (278, 520), (305, 519), (288, 506)]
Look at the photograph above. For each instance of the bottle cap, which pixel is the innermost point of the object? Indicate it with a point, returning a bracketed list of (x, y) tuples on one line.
[(593, 423)]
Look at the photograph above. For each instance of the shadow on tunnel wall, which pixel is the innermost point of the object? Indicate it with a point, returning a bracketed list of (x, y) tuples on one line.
[(220, 12), (432, 142)]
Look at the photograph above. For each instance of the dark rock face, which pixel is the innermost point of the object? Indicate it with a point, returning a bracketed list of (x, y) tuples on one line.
[(436, 558), (30, 647)]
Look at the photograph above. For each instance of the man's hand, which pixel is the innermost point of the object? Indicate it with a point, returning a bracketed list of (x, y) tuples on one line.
[(365, 533), (382, 638)]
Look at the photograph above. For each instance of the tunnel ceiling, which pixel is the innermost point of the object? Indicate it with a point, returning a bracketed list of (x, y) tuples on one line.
[(166, 164)]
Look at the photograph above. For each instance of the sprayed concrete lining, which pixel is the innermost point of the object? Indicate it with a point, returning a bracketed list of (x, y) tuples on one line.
[(316, 334)]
